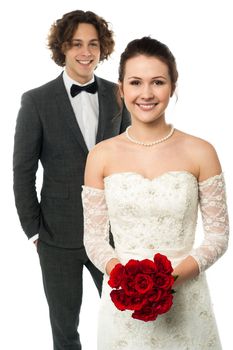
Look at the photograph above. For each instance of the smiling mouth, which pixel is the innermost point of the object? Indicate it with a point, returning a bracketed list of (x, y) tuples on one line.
[(85, 62), (147, 106)]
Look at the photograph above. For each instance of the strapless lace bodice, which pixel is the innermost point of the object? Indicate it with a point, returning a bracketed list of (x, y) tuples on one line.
[(152, 215)]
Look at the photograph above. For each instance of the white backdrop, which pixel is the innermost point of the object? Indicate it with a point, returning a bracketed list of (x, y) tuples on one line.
[(199, 33)]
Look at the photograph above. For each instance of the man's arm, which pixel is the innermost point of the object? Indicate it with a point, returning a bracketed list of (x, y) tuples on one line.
[(27, 148)]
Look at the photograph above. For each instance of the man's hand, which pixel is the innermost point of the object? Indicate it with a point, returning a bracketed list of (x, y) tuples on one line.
[(35, 242)]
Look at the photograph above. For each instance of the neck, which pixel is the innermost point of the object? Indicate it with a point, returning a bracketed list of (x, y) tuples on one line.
[(78, 79), (150, 143), (148, 132)]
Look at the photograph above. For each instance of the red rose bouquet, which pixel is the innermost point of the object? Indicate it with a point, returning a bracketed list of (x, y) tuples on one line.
[(145, 287)]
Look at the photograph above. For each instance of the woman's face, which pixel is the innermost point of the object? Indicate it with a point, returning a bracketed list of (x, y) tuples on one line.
[(146, 88)]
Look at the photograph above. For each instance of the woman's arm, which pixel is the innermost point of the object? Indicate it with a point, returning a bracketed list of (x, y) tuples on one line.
[(96, 222), (213, 207)]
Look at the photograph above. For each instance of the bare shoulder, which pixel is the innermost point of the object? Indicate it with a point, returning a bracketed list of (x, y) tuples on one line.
[(194, 143), (97, 160), (104, 148), (203, 153)]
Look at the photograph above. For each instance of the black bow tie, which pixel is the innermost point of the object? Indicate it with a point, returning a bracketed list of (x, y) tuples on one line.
[(76, 89)]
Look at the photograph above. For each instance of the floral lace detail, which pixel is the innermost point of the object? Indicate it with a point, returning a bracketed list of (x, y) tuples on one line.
[(96, 227), (213, 208)]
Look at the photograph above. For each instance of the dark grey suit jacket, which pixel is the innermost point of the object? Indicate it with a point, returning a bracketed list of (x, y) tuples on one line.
[(47, 130)]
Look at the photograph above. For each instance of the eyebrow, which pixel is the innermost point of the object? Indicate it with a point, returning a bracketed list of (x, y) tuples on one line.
[(80, 40), (157, 77)]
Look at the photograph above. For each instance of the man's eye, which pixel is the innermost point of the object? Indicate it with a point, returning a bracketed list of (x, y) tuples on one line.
[(77, 44)]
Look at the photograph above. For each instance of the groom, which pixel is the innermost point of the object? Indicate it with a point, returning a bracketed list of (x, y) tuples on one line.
[(58, 123)]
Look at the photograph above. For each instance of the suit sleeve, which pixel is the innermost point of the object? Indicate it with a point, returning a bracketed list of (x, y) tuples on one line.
[(126, 120), (27, 147)]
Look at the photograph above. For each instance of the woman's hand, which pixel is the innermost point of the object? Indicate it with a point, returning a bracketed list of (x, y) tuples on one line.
[(111, 264), (186, 270)]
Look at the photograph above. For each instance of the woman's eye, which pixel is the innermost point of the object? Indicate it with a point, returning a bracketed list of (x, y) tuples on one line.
[(159, 82), (135, 82)]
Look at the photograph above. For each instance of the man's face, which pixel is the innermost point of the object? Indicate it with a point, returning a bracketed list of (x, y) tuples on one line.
[(84, 54)]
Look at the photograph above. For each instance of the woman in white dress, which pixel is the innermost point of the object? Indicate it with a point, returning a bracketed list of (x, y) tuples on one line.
[(148, 183)]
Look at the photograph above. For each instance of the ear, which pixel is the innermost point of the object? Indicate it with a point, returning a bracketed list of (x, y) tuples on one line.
[(121, 89), (64, 48), (174, 90)]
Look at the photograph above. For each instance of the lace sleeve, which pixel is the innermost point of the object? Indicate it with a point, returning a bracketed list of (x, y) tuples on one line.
[(212, 199), (96, 227)]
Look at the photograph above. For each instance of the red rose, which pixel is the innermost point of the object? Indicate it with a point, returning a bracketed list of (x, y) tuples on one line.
[(128, 285), (163, 264), (148, 266), (147, 313), (136, 302), (126, 302), (132, 267), (120, 299), (164, 304), (155, 295), (143, 283), (163, 281), (116, 276)]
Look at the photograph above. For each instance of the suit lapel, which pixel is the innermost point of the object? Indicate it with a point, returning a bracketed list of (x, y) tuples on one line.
[(108, 109), (102, 110), (67, 113)]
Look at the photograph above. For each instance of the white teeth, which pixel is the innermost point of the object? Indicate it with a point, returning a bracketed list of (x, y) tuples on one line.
[(146, 107), (84, 62)]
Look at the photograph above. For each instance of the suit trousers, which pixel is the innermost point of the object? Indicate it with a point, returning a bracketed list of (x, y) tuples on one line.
[(62, 272)]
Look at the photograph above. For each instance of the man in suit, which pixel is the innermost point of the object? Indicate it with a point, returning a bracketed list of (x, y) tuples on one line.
[(58, 123)]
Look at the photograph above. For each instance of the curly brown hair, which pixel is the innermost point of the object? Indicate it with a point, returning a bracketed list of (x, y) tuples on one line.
[(62, 31)]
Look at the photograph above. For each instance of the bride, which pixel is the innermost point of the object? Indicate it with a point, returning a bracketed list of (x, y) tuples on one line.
[(147, 184)]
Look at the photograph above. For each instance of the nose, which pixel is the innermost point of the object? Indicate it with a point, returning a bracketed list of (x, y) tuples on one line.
[(147, 92), (86, 51)]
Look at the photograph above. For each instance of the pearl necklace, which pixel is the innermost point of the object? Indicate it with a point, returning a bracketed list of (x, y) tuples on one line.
[(148, 144)]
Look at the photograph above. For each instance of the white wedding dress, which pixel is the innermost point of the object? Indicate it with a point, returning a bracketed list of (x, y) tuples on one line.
[(150, 216)]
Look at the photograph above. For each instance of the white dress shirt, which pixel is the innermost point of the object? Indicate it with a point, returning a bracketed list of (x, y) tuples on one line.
[(86, 110)]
